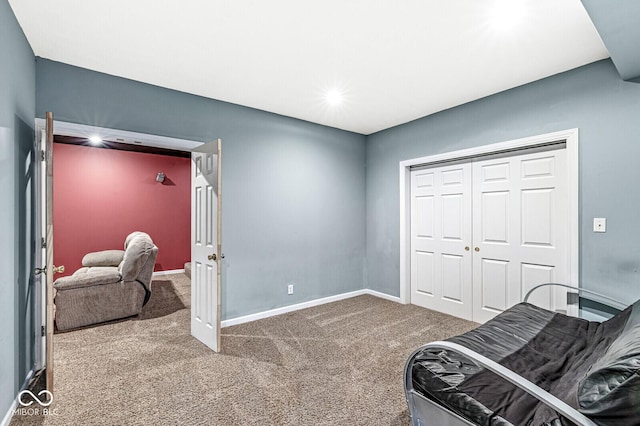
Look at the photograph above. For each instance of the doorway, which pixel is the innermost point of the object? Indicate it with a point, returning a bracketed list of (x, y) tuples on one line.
[(121, 137)]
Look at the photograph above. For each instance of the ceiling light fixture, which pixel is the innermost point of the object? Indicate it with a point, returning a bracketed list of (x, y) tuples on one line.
[(334, 97), (507, 14), (95, 140)]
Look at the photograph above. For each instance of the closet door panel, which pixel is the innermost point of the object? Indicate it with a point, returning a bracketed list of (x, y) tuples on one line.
[(495, 217), (494, 282), (534, 274), (453, 276), (425, 273), (519, 221), (537, 217), (440, 239)]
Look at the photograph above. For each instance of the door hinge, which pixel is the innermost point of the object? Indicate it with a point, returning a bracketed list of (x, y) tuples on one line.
[(43, 331), (43, 243), (42, 156)]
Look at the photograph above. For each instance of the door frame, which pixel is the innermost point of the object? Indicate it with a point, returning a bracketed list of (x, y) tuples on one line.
[(569, 137), (83, 130)]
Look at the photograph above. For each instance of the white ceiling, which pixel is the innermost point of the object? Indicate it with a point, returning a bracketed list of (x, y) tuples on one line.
[(395, 61)]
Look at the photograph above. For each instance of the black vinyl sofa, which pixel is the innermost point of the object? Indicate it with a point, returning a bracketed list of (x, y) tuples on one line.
[(530, 366)]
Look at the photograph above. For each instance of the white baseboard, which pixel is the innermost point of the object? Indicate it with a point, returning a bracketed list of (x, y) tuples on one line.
[(290, 308), (9, 415), (7, 418), (14, 405), (304, 305), (384, 296), (170, 272)]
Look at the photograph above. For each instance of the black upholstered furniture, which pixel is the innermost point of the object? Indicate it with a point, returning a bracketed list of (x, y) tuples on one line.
[(530, 366)]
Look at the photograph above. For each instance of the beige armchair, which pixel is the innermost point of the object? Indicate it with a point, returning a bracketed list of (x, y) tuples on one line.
[(112, 284)]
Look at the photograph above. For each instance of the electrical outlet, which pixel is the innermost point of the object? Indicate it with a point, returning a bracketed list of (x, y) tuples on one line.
[(290, 289), (599, 224)]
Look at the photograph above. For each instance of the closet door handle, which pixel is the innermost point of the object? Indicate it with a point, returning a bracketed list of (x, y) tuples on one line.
[(477, 249), (466, 248)]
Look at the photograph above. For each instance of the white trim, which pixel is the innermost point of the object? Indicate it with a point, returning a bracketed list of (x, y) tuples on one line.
[(405, 227), (573, 184), (7, 417), (304, 305), (291, 308), (169, 272), (122, 136), (383, 295), (571, 138)]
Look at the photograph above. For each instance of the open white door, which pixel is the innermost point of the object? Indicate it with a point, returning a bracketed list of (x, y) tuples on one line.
[(40, 295), (44, 256), (205, 243)]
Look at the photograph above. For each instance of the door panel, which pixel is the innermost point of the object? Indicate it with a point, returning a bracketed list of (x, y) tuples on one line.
[(425, 278), (441, 229), (205, 244), (453, 278), (453, 217), (495, 217), (494, 280), (534, 274), (519, 222), (425, 216), (537, 216)]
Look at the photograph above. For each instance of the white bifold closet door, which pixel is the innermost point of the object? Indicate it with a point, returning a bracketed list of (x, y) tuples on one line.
[(486, 231)]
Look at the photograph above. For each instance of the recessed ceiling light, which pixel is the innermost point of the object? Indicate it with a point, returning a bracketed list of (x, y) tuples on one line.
[(95, 140), (507, 14), (334, 97)]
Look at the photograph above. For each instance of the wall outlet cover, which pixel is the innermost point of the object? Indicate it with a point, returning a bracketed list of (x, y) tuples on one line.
[(599, 224)]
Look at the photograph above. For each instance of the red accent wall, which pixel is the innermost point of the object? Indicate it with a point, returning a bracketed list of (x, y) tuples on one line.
[(101, 195)]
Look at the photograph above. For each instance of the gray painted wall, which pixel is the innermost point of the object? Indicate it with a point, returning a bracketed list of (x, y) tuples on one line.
[(17, 112), (592, 98), (293, 192), (618, 27)]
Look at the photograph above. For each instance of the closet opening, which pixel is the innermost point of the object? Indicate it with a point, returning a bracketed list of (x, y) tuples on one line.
[(479, 227)]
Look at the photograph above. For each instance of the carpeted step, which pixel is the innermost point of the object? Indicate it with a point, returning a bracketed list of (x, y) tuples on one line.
[(187, 269)]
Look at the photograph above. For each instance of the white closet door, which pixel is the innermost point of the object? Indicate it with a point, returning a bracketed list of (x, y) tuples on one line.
[(520, 231), (440, 239)]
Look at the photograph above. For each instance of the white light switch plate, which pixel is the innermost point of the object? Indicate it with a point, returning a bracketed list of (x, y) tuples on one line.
[(599, 224)]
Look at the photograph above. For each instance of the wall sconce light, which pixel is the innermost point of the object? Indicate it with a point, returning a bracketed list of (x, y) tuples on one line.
[(160, 177)]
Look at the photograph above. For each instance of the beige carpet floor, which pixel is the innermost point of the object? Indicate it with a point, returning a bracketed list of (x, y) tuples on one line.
[(336, 364)]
